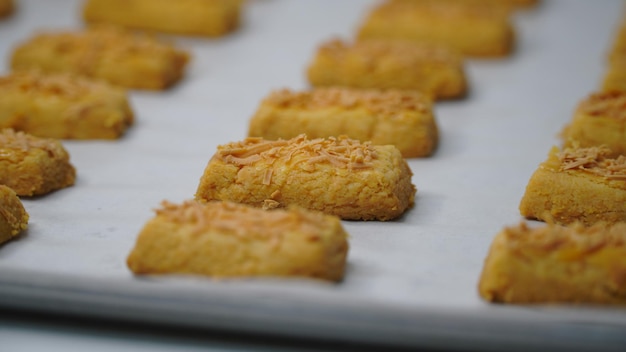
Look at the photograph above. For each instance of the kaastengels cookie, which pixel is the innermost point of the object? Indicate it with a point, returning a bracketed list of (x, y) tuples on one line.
[(577, 185), (33, 166), (599, 120), (224, 239), (382, 64), (338, 176), (556, 264), (401, 118), (63, 106), (209, 18), (473, 28), (13, 216), (108, 53)]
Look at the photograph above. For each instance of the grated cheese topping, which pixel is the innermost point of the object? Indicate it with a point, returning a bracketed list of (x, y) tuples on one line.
[(551, 237), (607, 104), (98, 42), (388, 102), (408, 52), (595, 161), (241, 220), (64, 85), (9, 139), (341, 152)]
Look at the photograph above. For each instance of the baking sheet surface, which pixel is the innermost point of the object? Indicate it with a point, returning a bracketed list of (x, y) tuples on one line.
[(424, 264)]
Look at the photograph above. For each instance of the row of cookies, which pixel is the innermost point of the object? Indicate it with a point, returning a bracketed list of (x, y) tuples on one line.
[(71, 85), (408, 53), (63, 105), (580, 191), (307, 149)]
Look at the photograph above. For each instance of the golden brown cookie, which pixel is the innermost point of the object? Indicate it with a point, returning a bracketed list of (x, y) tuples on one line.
[(223, 239), (555, 264), (433, 69), (599, 120), (577, 185), (209, 18), (338, 176), (473, 28), (63, 105), (401, 118), (33, 166), (107, 53)]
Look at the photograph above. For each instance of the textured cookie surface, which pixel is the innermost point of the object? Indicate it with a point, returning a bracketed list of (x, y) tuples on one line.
[(107, 53), (473, 28), (577, 185), (599, 120), (403, 119), (63, 106), (223, 239), (33, 166), (431, 68), (555, 264), (337, 176)]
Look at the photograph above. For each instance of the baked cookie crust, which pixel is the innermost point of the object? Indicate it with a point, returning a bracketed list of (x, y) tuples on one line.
[(556, 264), (337, 176), (433, 69), (400, 118), (577, 185), (63, 106), (224, 239), (33, 166), (112, 54)]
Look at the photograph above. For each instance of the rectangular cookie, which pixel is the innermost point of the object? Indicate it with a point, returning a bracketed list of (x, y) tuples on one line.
[(599, 120), (209, 18), (13, 216), (374, 64), (401, 118), (474, 29), (577, 185), (224, 239), (63, 106), (337, 176), (120, 57), (555, 264), (33, 166)]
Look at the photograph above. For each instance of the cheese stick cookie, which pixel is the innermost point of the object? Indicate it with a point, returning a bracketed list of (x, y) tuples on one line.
[(338, 176), (210, 18), (599, 120), (224, 239), (555, 264), (475, 30), (13, 216), (577, 185), (430, 68), (404, 119), (33, 166), (63, 106), (107, 53)]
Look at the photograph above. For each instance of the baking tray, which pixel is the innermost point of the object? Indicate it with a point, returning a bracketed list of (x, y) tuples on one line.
[(410, 282)]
